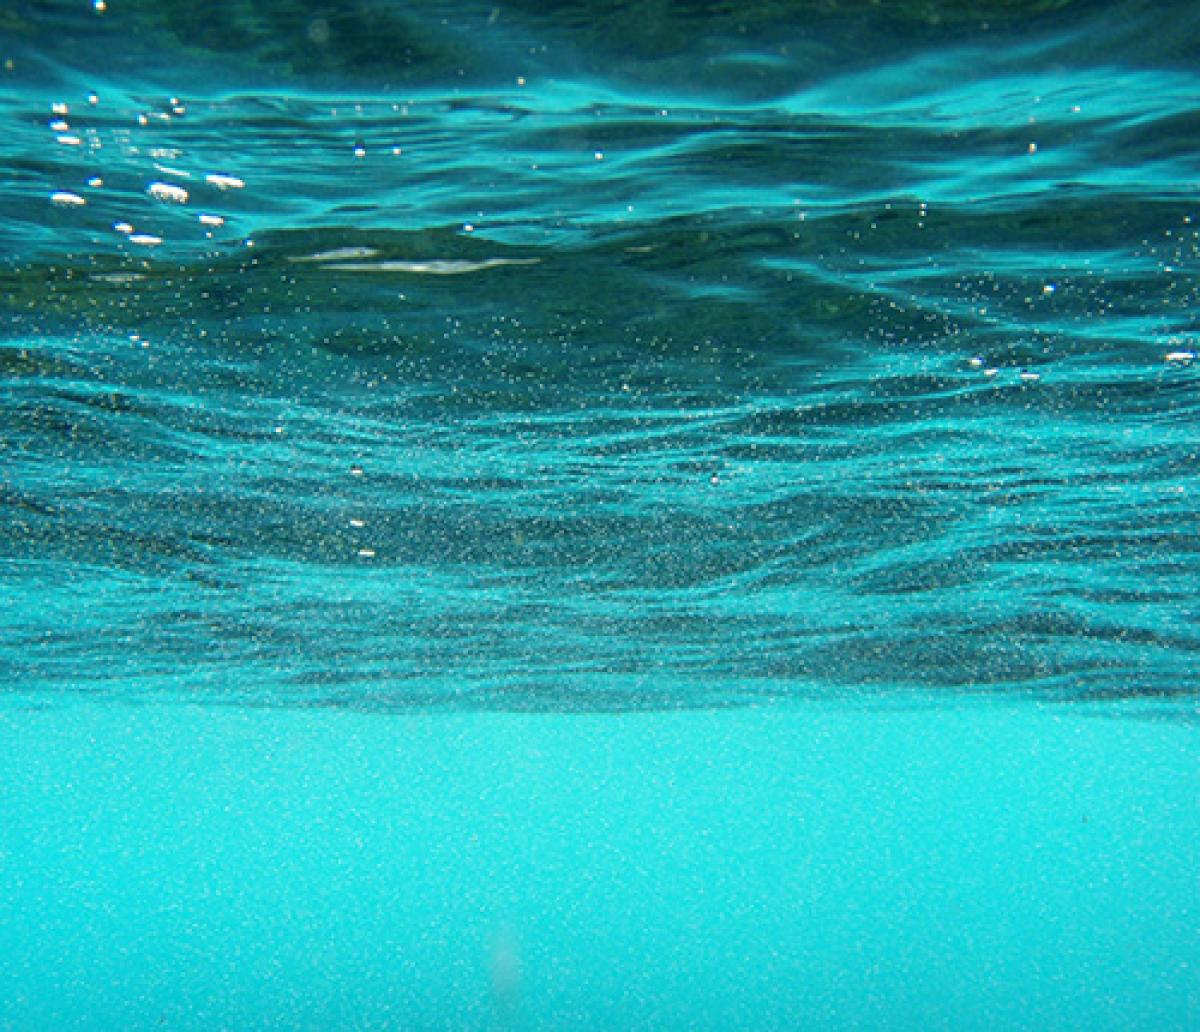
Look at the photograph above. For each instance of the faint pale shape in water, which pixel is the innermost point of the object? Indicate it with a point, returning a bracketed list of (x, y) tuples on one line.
[(505, 971), (145, 239), (1030, 377), (434, 267), (168, 192), (318, 31), (99, 6), (212, 220), (224, 182), (66, 199), (123, 227), (1180, 357), (366, 553), (95, 181), (60, 126), (59, 108), (93, 98), (337, 254), (70, 141), (118, 278)]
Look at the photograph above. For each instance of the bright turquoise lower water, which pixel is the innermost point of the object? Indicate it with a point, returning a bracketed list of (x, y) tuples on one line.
[(811, 867), (589, 516)]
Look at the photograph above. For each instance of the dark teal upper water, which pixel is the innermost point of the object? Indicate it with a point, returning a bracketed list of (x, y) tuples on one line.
[(595, 357)]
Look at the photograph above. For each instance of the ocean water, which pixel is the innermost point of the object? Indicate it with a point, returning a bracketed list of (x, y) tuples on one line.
[(599, 516)]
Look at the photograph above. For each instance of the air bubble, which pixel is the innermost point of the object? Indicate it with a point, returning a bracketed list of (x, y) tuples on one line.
[(168, 192), (224, 182)]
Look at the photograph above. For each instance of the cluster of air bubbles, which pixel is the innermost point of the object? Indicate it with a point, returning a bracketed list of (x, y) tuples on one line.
[(357, 523), (991, 371), (169, 185)]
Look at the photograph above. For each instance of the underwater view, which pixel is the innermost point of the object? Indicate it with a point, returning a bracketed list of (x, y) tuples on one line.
[(600, 515)]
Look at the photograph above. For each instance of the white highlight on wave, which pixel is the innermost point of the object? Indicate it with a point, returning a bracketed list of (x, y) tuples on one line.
[(432, 267)]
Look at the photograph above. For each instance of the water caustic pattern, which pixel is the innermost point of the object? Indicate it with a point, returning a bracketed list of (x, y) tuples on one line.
[(560, 358)]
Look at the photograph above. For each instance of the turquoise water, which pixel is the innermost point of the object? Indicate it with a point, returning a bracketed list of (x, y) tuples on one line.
[(558, 516)]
